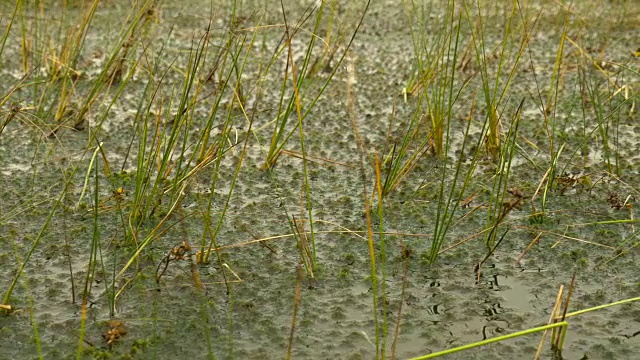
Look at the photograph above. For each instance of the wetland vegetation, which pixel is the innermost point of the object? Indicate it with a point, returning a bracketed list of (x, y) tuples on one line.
[(319, 179)]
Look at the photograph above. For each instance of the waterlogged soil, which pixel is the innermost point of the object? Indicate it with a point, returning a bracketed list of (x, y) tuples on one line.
[(241, 303)]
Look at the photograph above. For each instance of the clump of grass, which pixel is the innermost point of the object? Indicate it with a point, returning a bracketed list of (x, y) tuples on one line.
[(494, 88), (499, 207), (434, 82), (400, 161), (438, 90), (436, 87), (290, 101)]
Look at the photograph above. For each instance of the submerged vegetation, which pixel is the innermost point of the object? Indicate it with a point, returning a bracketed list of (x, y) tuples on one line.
[(223, 179)]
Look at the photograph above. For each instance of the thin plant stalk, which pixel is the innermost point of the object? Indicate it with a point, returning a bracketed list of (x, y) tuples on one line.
[(296, 306), (91, 266), (298, 108), (383, 258)]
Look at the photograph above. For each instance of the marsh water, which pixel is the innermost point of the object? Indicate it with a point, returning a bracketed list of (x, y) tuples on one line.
[(100, 281)]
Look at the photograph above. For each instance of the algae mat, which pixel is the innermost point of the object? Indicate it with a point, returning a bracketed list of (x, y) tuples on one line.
[(146, 212)]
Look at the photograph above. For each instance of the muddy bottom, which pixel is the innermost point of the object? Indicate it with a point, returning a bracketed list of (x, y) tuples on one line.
[(99, 278)]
